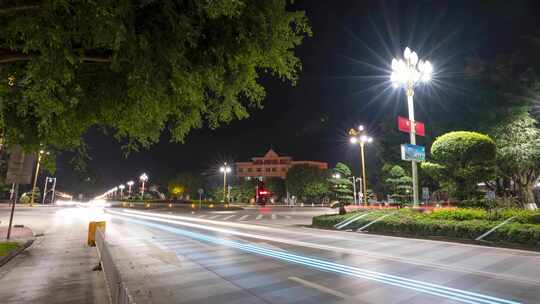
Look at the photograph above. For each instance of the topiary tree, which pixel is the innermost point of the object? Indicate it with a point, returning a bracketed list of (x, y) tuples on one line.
[(399, 183), (462, 159), (341, 186)]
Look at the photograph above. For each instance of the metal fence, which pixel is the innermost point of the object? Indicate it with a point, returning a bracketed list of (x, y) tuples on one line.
[(117, 289)]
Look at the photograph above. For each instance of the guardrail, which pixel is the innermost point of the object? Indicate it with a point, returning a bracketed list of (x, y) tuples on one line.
[(117, 289)]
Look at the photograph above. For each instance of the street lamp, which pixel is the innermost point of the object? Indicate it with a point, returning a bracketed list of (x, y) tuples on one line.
[(225, 169), (130, 183), (407, 73), (121, 187), (143, 178), (360, 137), (40, 155)]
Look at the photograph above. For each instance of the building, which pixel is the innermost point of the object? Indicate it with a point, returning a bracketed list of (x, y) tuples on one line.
[(272, 165)]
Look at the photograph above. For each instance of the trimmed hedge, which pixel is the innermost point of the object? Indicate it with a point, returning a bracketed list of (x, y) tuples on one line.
[(454, 224)]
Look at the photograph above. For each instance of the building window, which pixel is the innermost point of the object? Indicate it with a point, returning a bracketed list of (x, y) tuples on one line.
[(249, 169), (258, 169), (283, 169), (267, 169), (240, 170), (273, 169)]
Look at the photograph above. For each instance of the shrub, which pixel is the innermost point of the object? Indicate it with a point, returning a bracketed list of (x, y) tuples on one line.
[(459, 214)]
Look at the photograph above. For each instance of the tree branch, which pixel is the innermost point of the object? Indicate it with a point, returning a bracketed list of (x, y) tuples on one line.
[(24, 57), (9, 10)]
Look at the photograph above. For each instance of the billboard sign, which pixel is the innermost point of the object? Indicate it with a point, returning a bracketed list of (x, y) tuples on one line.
[(404, 125), (413, 152)]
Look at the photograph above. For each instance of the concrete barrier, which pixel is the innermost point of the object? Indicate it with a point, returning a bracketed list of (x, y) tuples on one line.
[(118, 290)]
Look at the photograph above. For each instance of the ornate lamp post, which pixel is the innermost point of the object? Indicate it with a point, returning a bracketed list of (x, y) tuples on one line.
[(360, 137), (143, 178), (225, 169), (407, 73), (130, 183)]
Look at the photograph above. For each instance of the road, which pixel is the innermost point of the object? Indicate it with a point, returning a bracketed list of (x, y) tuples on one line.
[(268, 255)]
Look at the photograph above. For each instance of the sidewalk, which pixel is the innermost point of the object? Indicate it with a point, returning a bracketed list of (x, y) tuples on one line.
[(57, 268)]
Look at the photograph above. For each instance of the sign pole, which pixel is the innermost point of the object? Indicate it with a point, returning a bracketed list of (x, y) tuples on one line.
[(12, 209), (410, 106), (364, 173)]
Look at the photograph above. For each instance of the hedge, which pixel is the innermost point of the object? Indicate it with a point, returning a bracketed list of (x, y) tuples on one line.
[(451, 224)]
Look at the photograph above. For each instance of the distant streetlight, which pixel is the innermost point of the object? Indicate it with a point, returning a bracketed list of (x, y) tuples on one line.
[(336, 175), (360, 137), (40, 155), (143, 178), (121, 187), (407, 73), (225, 169), (130, 183)]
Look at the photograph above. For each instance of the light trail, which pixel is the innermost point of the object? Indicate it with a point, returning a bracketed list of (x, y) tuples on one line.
[(185, 221), (415, 285)]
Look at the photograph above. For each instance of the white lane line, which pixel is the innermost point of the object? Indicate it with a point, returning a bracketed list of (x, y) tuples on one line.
[(243, 217), (202, 215), (228, 217), (274, 216), (321, 288), (213, 217), (260, 216), (288, 217)]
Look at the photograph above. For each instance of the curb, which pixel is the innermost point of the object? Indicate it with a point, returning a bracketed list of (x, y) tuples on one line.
[(15, 252)]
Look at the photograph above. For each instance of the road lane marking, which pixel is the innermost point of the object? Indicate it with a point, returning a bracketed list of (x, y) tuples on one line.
[(370, 254), (319, 264), (288, 217), (321, 288), (243, 217), (213, 217), (228, 217), (202, 215), (274, 216), (260, 216)]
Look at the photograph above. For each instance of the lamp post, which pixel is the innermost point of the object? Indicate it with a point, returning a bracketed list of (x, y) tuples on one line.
[(121, 187), (225, 169), (360, 137), (40, 155), (130, 183), (407, 73), (143, 178)]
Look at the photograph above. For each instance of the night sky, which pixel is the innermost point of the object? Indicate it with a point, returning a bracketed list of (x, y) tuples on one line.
[(344, 82)]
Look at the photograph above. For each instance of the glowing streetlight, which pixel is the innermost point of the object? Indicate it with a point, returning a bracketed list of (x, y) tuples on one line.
[(40, 155), (121, 187), (336, 175), (130, 183), (360, 137), (143, 179), (407, 73), (225, 169)]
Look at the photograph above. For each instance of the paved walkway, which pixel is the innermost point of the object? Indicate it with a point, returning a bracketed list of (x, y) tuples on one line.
[(57, 268)]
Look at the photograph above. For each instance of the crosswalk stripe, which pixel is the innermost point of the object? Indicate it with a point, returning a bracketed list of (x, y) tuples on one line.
[(260, 216), (243, 217), (228, 217)]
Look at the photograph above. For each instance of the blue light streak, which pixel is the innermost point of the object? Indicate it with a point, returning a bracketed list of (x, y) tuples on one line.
[(419, 286)]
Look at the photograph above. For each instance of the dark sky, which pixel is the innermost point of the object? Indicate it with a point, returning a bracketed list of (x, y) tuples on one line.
[(344, 82)]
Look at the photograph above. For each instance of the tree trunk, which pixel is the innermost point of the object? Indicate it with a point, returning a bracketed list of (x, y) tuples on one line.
[(342, 209)]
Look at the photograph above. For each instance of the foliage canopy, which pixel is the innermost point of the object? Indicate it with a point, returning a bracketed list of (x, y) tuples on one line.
[(137, 68)]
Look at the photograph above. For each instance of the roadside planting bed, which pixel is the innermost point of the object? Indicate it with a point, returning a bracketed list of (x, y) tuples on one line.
[(522, 231)]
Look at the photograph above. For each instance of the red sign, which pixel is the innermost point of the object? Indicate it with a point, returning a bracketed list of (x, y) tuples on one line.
[(404, 125)]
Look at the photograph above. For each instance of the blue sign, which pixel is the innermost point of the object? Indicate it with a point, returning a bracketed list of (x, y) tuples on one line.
[(413, 152)]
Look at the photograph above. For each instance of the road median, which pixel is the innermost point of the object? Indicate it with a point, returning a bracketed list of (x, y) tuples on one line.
[(508, 228)]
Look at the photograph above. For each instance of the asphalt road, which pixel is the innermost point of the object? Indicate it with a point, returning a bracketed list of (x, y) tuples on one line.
[(267, 255)]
